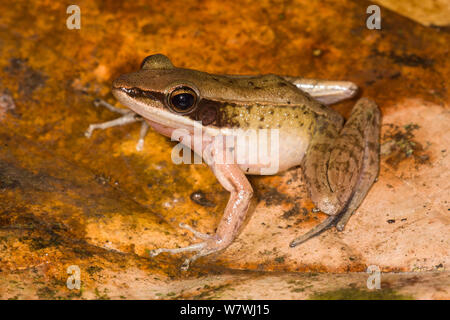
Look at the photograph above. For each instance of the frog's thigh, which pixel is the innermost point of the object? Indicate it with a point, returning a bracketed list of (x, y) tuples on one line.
[(325, 91), (343, 168)]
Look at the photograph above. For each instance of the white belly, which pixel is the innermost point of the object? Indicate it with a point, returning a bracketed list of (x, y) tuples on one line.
[(265, 152)]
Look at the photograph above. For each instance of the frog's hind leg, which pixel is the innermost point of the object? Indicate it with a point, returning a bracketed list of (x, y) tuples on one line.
[(370, 166), (325, 91), (324, 225), (341, 167), (126, 118)]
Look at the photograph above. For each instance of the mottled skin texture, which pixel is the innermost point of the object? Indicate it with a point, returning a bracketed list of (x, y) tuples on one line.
[(340, 162)]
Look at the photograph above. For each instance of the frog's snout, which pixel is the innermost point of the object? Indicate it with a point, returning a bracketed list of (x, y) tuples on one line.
[(121, 82)]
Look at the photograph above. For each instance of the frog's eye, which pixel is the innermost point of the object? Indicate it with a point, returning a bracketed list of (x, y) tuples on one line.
[(182, 99), (156, 61)]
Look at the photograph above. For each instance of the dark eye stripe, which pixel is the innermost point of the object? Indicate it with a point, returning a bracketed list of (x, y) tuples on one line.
[(136, 93)]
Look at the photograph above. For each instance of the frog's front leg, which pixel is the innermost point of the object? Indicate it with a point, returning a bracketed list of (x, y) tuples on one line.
[(233, 180), (126, 118), (340, 167)]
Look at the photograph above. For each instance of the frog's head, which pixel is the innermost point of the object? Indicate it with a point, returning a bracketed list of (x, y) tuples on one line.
[(165, 94)]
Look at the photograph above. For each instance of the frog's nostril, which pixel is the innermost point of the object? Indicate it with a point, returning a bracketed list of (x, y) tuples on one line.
[(120, 82)]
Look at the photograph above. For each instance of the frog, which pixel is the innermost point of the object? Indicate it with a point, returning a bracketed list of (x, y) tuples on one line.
[(339, 158)]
